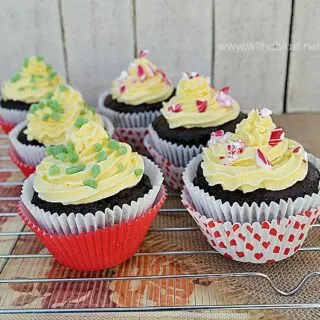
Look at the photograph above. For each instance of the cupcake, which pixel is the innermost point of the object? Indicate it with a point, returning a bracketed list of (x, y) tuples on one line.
[(33, 83), (254, 193), (48, 121), (136, 98), (188, 119), (99, 189)]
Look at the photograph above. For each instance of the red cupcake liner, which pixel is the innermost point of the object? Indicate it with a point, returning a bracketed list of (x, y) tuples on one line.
[(132, 136), (258, 242), (98, 250), (25, 168), (172, 174), (6, 126)]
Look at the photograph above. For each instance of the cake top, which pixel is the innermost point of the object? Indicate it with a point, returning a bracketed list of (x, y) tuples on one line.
[(90, 167), (256, 156), (49, 119), (142, 83), (198, 104), (32, 83)]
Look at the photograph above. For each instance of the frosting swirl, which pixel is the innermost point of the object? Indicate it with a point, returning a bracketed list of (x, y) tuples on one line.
[(34, 81), (198, 104), (256, 156), (142, 83), (89, 168), (48, 120)]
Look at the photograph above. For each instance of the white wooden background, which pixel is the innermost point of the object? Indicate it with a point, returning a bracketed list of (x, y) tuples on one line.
[(91, 41)]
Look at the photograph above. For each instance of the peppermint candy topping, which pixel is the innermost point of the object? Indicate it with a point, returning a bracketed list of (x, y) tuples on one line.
[(176, 108), (202, 105), (216, 137), (262, 160), (141, 73), (150, 70), (143, 53), (122, 88), (297, 149), (264, 112), (277, 136), (191, 75), (223, 98)]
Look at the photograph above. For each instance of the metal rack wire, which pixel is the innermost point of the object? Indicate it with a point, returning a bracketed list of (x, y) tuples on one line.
[(10, 256)]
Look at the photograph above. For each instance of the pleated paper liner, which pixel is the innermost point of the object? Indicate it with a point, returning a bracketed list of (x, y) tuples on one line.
[(217, 210), (33, 155), (172, 174), (6, 126), (26, 169), (100, 249), (75, 223), (126, 120), (257, 242), (179, 155)]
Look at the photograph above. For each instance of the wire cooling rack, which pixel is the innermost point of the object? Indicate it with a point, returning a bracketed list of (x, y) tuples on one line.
[(174, 270)]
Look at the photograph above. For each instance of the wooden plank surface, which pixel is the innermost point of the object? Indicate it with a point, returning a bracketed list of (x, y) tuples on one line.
[(256, 74), (178, 34), (28, 28), (303, 86), (99, 42)]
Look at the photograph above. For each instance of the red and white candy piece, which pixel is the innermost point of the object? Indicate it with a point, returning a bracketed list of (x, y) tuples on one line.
[(150, 70), (216, 137), (262, 160), (264, 112), (202, 105), (143, 53), (141, 73), (175, 108), (277, 136), (122, 88), (123, 75), (191, 75), (223, 98)]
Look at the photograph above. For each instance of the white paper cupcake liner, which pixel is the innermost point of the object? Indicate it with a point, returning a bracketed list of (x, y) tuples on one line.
[(75, 223), (259, 242), (215, 209), (179, 155), (172, 173), (126, 120), (33, 155)]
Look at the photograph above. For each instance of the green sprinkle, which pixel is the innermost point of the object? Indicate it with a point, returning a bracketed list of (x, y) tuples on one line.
[(21, 89), (138, 172), (102, 156), (45, 117), (63, 87), (113, 144), (95, 170), (54, 170), (70, 147), (122, 150), (61, 156), (33, 78), (55, 116), (25, 62), (52, 75), (75, 169), (40, 76), (59, 148), (92, 109), (15, 77), (80, 122), (90, 183), (73, 157), (121, 167), (41, 105), (39, 58), (49, 67), (97, 147), (33, 108), (49, 150), (49, 95)]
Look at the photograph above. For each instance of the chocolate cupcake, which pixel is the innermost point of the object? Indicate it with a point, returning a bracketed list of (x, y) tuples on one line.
[(32, 83), (49, 120), (254, 179)]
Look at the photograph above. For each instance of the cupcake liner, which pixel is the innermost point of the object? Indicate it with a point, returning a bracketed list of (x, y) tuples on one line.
[(172, 173), (98, 250), (11, 115), (133, 136), (257, 242), (75, 223), (6, 126), (126, 120), (217, 210), (26, 169), (179, 155), (33, 155)]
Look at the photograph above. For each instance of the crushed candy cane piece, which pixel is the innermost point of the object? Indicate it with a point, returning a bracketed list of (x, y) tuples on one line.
[(262, 160), (225, 90), (224, 99), (143, 53), (176, 108), (264, 112), (277, 136), (202, 105), (122, 88), (141, 73), (296, 149), (123, 75), (150, 70), (216, 137)]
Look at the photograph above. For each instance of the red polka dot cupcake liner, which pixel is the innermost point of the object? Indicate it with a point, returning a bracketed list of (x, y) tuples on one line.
[(257, 242), (6, 126), (100, 249), (25, 168), (172, 174)]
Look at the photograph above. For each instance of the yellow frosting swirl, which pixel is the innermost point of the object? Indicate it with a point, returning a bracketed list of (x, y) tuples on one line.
[(32, 84), (197, 104), (49, 120), (142, 83), (254, 157), (101, 167)]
